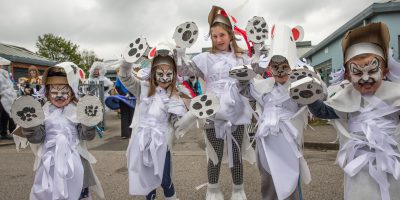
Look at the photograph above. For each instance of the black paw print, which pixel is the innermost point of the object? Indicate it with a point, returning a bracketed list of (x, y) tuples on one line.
[(27, 114), (298, 74), (243, 72), (202, 107), (186, 34), (257, 29), (135, 50), (91, 110), (307, 93)]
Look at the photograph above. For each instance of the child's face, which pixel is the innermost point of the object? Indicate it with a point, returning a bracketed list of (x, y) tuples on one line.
[(96, 73), (280, 69), (32, 73), (220, 38), (60, 95), (164, 75), (365, 72)]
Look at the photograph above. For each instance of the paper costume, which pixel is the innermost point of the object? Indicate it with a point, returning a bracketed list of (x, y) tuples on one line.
[(62, 162), (366, 115), (148, 153)]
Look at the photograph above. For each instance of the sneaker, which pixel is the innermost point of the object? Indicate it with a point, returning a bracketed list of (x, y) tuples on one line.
[(238, 192), (214, 192)]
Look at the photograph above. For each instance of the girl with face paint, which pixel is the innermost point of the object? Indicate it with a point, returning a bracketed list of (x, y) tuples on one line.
[(64, 170), (157, 109), (368, 112)]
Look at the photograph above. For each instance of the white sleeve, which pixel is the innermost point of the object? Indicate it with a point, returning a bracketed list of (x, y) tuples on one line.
[(7, 93)]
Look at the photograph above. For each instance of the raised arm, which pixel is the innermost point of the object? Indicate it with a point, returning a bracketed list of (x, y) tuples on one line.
[(131, 83), (321, 110), (185, 65)]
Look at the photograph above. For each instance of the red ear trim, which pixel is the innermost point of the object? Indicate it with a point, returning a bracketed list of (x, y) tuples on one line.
[(273, 31), (152, 53), (296, 34), (81, 74)]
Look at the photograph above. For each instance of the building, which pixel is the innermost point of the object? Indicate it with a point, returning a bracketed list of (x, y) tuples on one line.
[(327, 55), (21, 59)]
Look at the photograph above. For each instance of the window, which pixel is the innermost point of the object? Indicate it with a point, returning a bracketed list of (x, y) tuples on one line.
[(324, 69), (398, 49)]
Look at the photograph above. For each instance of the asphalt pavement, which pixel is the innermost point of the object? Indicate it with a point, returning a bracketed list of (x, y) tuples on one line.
[(189, 167)]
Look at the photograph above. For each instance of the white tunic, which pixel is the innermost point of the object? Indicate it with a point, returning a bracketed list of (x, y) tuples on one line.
[(369, 142), (60, 171), (279, 137), (149, 142), (235, 108)]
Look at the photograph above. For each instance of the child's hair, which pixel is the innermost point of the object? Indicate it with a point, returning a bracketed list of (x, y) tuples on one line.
[(238, 51), (153, 82)]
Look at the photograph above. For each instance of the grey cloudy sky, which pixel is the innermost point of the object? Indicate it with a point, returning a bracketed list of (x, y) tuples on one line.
[(106, 26)]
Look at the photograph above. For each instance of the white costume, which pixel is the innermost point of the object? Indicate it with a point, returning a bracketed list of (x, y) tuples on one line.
[(369, 141), (152, 133), (62, 161), (280, 136), (7, 93), (235, 108)]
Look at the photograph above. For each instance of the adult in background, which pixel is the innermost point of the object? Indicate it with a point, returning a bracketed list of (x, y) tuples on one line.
[(125, 110)]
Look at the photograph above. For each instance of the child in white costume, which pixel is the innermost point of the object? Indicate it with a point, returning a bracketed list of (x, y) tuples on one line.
[(235, 111), (62, 162), (280, 133), (366, 114), (157, 109)]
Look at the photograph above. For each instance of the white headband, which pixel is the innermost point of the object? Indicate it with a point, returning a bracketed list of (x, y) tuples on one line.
[(361, 48)]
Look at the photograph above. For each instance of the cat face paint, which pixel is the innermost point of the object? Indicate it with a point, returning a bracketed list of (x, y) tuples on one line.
[(164, 75), (366, 73), (60, 95), (280, 68)]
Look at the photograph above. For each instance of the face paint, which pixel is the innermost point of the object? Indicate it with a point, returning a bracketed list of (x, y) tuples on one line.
[(60, 95), (365, 74), (279, 66), (164, 75), (370, 73)]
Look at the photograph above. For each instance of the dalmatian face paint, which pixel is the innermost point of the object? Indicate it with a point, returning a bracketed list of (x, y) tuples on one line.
[(60, 95), (280, 68), (365, 73), (164, 75)]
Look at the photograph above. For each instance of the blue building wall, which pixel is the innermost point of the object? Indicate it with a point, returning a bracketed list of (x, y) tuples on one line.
[(334, 49), (392, 20)]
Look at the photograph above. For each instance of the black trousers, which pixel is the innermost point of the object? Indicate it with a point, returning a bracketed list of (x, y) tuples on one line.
[(126, 119), (6, 122)]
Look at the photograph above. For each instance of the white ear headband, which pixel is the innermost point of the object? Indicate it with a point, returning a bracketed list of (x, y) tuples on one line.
[(362, 48)]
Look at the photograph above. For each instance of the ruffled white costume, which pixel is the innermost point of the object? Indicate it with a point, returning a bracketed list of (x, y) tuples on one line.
[(58, 165), (152, 134), (235, 108), (369, 131), (280, 136)]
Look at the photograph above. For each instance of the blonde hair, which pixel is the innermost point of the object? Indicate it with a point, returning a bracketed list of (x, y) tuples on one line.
[(238, 51), (153, 82)]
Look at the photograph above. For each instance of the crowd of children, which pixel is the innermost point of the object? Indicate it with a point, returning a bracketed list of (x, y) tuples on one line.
[(365, 111)]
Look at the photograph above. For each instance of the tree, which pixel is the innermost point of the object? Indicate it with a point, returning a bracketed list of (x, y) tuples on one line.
[(57, 48), (87, 59)]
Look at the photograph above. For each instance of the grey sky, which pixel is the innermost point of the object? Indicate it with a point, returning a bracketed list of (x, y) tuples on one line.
[(106, 26)]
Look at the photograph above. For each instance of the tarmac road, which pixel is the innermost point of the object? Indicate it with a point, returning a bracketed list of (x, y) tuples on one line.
[(189, 169)]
